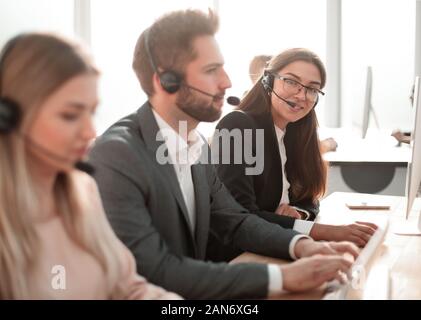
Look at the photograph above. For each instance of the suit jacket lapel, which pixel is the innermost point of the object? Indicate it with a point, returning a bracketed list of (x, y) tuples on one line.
[(272, 155), (149, 129), (201, 190)]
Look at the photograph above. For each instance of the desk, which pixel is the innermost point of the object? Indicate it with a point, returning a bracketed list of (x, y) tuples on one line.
[(373, 165), (401, 254)]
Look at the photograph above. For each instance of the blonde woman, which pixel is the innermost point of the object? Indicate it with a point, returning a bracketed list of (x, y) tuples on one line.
[(55, 241)]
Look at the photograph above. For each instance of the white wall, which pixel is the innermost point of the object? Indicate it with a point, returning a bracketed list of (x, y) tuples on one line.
[(35, 15), (251, 28), (116, 26), (380, 33)]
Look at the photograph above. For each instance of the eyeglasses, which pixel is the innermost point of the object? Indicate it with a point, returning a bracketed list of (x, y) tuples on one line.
[(293, 87)]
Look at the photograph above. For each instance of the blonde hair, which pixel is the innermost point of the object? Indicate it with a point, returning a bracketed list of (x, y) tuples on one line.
[(257, 66), (32, 67)]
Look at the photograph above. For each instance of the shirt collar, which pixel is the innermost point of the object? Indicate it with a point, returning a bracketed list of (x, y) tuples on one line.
[(279, 133), (179, 150)]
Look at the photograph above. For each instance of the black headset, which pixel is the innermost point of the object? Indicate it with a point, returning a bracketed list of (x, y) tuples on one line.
[(10, 113), (170, 80), (267, 82)]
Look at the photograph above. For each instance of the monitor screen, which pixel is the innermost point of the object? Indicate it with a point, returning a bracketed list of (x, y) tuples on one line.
[(413, 178), (367, 101)]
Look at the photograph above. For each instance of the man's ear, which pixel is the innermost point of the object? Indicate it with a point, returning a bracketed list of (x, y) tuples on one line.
[(159, 90), (156, 84)]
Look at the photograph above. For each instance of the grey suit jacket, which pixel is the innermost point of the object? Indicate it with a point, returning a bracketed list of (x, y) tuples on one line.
[(145, 206)]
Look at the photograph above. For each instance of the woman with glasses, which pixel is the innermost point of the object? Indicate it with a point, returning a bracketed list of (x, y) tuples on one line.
[(293, 177)]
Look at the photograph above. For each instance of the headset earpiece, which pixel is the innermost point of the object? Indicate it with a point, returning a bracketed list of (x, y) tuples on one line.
[(9, 115), (170, 80), (267, 81)]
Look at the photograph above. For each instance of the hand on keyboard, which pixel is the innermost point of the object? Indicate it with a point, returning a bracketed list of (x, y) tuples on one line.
[(376, 288), (310, 273), (308, 247), (358, 233), (357, 274)]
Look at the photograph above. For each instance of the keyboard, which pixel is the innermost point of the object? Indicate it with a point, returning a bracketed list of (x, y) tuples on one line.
[(380, 275)]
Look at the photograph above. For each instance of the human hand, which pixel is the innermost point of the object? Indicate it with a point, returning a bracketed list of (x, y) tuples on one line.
[(358, 232), (308, 247), (286, 210), (311, 272)]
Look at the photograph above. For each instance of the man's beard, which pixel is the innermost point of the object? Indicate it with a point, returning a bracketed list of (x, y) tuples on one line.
[(197, 108)]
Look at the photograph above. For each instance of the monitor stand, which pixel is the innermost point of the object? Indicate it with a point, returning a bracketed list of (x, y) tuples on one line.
[(409, 227)]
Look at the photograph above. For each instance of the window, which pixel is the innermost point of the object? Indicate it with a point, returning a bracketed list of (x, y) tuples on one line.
[(35, 15), (115, 28), (380, 34), (251, 28), (267, 27)]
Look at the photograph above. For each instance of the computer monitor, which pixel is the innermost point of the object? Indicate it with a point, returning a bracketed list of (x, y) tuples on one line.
[(367, 101), (368, 106), (413, 178)]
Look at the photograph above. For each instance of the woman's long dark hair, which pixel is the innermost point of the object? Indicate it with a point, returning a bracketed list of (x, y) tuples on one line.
[(305, 168)]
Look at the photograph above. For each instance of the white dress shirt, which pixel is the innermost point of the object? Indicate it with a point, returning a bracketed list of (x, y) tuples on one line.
[(183, 155), (301, 226)]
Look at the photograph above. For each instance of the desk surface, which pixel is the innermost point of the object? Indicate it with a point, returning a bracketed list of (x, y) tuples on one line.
[(379, 146), (368, 152), (400, 254)]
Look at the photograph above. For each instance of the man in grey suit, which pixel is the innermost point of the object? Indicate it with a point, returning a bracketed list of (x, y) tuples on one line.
[(162, 195)]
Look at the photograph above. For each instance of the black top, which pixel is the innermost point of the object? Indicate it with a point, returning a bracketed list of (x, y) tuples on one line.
[(261, 193)]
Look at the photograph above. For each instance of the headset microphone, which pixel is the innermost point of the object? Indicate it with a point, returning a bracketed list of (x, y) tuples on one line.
[(267, 82), (290, 103), (172, 81), (214, 96), (80, 165), (232, 100), (10, 116)]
